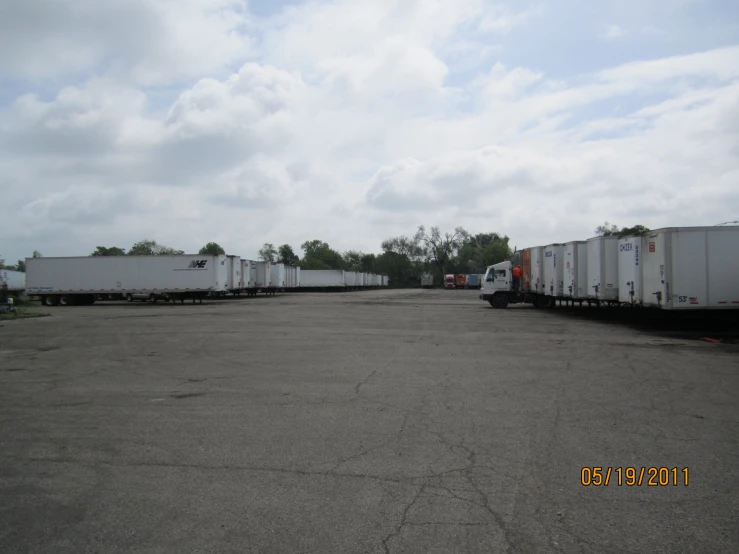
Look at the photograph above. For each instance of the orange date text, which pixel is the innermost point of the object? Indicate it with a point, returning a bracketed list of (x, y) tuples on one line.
[(634, 476)]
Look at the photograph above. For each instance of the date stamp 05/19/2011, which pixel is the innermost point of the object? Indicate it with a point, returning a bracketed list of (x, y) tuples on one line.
[(634, 476)]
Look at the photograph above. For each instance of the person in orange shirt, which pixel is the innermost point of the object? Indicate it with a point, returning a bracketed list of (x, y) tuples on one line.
[(516, 278)]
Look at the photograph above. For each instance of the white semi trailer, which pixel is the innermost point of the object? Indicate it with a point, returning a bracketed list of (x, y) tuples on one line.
[(79, 280), (630, 274), (13, 281), (264, 275), (322, 279), (249, 277), (603, 269), (575, 271), (278, 278), (234, 266), (689, 268)]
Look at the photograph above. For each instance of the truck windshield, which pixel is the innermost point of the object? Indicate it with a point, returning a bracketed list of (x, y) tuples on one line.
[(489, 276)]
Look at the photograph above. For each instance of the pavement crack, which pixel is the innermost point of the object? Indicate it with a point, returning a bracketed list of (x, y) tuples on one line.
[(207, 467), (403, 519), (363, 382), (342, 461)]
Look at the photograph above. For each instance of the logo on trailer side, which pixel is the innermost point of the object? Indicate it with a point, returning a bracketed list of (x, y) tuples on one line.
[(197, 264)]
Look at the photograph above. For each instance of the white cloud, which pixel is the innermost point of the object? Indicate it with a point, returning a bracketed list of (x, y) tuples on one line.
[(351, 123), (653, 30), (612, 32), (149, 41)]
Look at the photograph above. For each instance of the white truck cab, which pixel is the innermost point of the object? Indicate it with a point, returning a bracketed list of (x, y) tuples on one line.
[(499, 288), (498, 285)]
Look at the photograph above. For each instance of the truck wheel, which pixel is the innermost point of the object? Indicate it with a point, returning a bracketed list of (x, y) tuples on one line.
[(153, 298), (129, 297), (500, 301), (66, 300)]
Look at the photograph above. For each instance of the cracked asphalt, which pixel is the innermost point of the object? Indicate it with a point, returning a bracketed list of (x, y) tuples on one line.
[(379, 421)]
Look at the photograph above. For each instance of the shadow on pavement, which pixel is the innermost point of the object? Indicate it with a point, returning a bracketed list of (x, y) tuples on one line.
[(717, 325)]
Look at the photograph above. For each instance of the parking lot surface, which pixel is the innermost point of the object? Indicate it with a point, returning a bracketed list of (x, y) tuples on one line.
[(377, 421)]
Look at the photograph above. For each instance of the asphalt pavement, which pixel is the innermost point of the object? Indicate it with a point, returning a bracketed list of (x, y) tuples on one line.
[(378, 421)]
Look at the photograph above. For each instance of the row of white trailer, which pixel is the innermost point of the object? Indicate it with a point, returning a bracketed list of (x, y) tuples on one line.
[(671, 268), (82, 280)]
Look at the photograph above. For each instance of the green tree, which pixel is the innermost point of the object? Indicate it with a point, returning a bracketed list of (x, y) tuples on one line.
[(109, 251), (21, 266), (151, 248), (480, 251), (439, 250), (402, 260), (353, 260), (635, 230), (267, 252), (285, 255), (404, 246), (368, 263), (212, 249), (319, 255), (36, 254), (399, 268), (608, 229)]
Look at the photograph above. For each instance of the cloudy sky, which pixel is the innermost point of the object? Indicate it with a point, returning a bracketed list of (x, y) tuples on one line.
[(188, 121)]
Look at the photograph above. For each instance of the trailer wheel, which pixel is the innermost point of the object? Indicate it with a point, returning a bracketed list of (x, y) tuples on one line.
[(66, 300), (499, 301), (153, 298)]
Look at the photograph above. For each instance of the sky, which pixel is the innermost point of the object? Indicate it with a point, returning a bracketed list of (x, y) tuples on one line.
[(190, 121)]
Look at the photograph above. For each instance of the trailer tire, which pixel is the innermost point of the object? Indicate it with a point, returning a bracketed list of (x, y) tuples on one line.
[(129, 297), (499, 301), (66, 300), (153, 298), (52, 300)]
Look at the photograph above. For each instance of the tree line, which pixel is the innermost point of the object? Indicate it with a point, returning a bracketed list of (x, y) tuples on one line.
[(21, 265), (404, 259)]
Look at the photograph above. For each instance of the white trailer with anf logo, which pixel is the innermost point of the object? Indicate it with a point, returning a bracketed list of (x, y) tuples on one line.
[(82, 280)]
